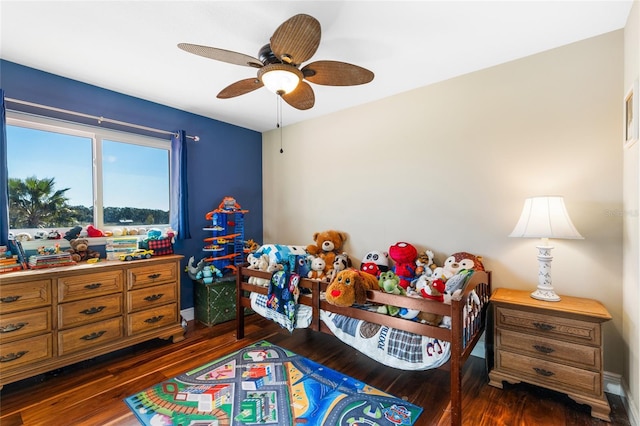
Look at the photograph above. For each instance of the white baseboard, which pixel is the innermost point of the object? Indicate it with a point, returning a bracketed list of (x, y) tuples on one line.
[(188, 314), (630, 406), (613, 384)]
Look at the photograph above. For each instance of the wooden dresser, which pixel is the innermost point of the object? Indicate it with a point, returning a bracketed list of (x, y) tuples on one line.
[(54, 317), (556, 345)]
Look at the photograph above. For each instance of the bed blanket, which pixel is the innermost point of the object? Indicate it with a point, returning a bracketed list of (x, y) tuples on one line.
[(282, 298), (259, 305), (389, 346)]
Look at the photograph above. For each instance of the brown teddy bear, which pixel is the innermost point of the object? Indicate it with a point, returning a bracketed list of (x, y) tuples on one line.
[(327, 243), (80, 250), (350, 286)]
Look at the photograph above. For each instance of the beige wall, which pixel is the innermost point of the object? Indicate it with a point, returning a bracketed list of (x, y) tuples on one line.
[(631, 275), (448, 166)]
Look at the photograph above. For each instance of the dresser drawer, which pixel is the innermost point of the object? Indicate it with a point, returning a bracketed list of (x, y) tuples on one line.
[(550, 375), (25, 295), (565, 329), (151, 296), (89, 336), (78, 287), (150, 319), (144, 276), (21, 324), (90, 310), (25, 351), (580, 356)]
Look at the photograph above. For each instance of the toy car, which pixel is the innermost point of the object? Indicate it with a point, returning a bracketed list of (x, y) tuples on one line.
[(137, 254)]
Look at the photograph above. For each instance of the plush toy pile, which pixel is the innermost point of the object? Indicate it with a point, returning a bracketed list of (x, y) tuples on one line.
[(401, 270)]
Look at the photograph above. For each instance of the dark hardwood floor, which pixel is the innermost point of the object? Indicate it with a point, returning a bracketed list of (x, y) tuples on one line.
[(91, 392)]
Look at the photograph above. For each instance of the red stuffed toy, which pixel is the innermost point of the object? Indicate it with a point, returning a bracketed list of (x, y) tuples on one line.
[(404, 255), (94, 232)]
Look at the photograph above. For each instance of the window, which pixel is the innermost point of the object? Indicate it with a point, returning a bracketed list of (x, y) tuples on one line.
[(62, 175)]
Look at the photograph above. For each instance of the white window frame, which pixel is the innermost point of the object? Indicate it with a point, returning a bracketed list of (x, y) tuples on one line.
[(97, 135)]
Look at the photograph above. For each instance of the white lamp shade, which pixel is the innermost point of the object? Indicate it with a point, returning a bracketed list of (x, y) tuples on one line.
[(545, 217)]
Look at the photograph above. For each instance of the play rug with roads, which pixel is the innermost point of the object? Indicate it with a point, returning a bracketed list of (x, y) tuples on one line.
[(266, 384)]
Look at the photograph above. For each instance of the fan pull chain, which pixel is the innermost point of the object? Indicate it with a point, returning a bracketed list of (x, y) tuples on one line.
[(279, 119)]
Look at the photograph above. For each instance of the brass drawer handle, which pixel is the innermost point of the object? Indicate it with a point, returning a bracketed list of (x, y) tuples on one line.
[(93, 286), (9, 299), (93, 335), (543, 326), (153, 320), (94, 310), (154, 297), (12, 327), (543, 372), (154, 276), (13, 356)]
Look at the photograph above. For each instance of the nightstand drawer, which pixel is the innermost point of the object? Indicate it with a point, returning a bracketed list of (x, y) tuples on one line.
[(25, 351), (145, 276), (22, 324), (151, 296), (580, 356), (91, 310), (550, 375), (564, 329), (84, 286), (89, 336), (25, 295)]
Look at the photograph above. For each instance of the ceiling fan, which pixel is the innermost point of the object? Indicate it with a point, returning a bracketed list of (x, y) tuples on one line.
[(294, 42)]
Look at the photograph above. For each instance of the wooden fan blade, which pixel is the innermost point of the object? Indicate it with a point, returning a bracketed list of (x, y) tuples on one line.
[(334, 73), (302, 97), (296, 39), (221, 55), (240, 88)]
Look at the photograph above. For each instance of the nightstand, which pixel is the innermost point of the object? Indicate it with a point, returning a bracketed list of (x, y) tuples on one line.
[(556, 345)]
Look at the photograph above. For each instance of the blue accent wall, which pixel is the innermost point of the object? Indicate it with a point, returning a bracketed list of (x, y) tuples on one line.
[(227, 161)]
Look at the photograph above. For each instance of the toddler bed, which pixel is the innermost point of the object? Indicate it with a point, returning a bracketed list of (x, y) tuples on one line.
[(393, 341)]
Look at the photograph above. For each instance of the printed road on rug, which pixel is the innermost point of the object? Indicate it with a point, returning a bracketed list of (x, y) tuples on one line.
[(266, 384)]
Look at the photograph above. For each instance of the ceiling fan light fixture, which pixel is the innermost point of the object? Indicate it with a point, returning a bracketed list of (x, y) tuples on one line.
[(280, 78)]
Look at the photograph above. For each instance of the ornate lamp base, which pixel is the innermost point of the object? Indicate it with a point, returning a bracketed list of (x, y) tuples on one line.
[(546, 295), (545, 289)]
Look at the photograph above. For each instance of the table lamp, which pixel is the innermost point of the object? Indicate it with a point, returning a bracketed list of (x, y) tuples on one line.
[(545, 217)]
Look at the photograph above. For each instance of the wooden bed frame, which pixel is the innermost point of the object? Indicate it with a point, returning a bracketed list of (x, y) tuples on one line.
[(464, 333)]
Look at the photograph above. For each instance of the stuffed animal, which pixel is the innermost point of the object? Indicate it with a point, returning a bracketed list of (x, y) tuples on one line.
[(318, 267), (94, 232), (431, 288), (350, 286), (80, 250), (327, 242), (340, 263), (259, 263), (73, 233), (424, 263), (404, 255), (463, 260), (375, 263), (389, 282)]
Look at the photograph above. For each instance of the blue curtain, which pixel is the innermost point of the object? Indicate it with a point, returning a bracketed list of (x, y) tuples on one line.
[(179, 213), (4, 176)]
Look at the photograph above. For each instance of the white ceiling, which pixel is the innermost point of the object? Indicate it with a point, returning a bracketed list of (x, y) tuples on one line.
[(130, 46)]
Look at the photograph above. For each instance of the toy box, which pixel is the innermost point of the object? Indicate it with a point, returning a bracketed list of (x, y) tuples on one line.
[(216, 302), (161, 247)]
